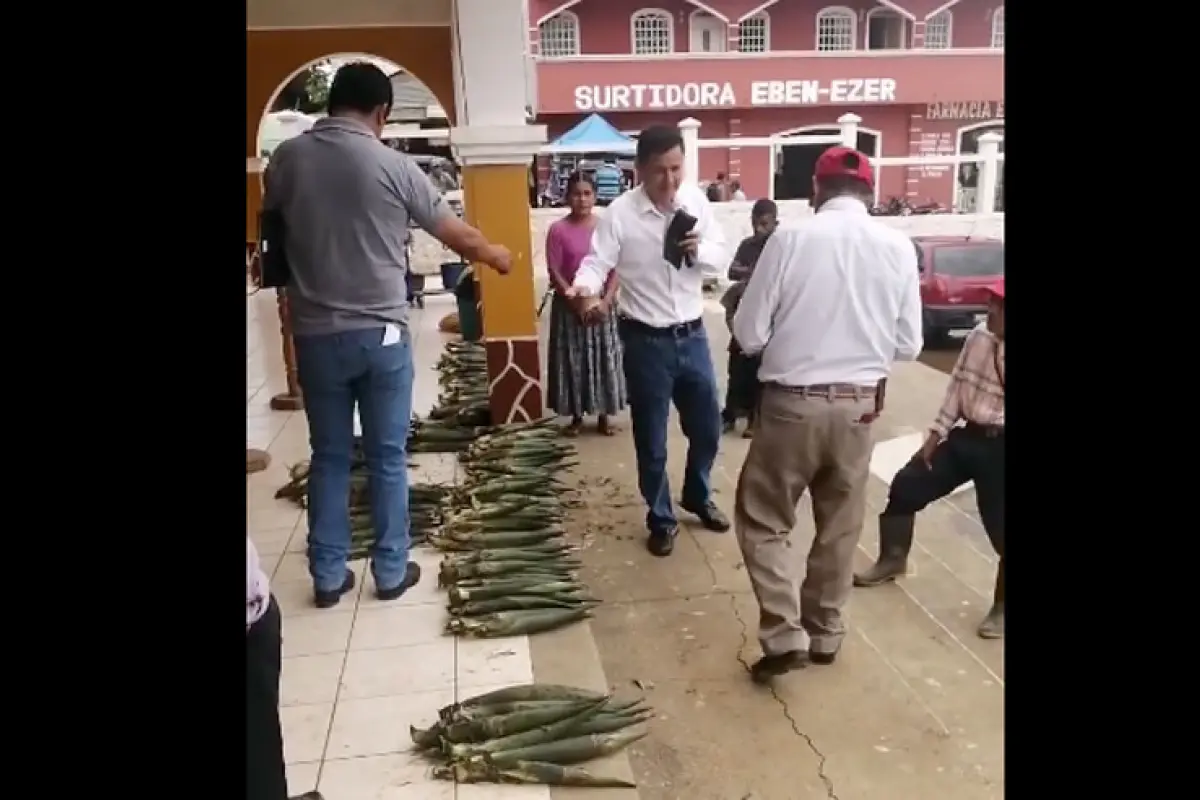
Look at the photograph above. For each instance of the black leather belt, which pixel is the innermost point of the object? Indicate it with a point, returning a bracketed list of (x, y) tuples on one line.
[(987, 431), (673, 331)]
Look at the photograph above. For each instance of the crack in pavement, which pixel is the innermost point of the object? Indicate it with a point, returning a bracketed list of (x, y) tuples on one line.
[(830, 793)]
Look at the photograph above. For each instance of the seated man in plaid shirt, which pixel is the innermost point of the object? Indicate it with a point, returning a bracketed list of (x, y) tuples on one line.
[(953, 455)]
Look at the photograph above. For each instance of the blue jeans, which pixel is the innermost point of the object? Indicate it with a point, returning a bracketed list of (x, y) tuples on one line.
[(336, 371), (661, 369)]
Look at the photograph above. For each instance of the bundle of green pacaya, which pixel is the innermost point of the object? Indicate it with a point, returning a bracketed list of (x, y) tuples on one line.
[(507, 568), (462, 398), (426, 504), (535, 733)]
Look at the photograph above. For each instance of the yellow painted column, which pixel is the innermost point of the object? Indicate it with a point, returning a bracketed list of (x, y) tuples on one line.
[(494, 80), (495, 161), (496, 202)]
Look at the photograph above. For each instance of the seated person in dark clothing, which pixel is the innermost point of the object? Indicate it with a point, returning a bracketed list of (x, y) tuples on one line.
[(741, 396)]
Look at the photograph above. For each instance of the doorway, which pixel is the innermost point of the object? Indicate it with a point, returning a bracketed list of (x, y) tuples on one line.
[(967, 180), (708, 33), (794, 163)]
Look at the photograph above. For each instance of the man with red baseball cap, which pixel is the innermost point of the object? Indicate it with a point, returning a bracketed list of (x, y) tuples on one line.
[(954, 454), (831, 304)]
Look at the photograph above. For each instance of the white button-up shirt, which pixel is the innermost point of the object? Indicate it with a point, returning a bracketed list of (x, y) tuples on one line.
[(835, 300), (629, 239)]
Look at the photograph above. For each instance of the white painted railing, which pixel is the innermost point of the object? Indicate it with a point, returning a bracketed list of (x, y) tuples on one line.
[(988, 158)]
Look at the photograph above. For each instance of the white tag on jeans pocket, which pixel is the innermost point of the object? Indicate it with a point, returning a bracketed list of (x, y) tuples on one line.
[(391, 334)]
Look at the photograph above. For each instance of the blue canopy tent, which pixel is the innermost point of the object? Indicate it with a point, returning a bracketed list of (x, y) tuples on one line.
[(592, 135)]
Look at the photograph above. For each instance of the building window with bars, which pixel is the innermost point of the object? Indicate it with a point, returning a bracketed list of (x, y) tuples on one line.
[(559, 36), (754, 33), (652, 31), (998, 28), (937, 31), (836, 28)]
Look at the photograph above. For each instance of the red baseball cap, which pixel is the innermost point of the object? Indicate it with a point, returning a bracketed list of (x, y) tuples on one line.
[(997, 288), (845, 161)]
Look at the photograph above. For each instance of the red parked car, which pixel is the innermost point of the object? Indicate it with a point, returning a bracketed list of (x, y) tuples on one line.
[(955, 274)]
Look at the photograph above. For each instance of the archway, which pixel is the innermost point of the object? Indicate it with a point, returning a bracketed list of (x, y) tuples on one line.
[(274, 56), (967, 177), (792, 165)]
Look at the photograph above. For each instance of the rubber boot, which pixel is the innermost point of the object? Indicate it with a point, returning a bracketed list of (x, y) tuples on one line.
[(992, 626), (895, 540)]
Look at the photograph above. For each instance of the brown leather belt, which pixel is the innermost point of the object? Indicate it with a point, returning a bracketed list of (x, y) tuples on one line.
[(831, 391)]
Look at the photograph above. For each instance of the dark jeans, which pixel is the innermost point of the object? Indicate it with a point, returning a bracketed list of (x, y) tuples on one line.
[(266, 778), (973, 453), (662, 367), (743, 389), (337, 372)]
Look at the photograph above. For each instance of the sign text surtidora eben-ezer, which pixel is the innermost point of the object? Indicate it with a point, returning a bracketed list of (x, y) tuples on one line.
[(638, 96)]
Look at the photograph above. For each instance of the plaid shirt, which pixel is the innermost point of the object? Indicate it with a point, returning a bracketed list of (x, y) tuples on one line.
[(976, 391)]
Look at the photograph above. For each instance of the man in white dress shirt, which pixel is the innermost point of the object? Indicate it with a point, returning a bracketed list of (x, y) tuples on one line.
[(832, 303), (666, 356)]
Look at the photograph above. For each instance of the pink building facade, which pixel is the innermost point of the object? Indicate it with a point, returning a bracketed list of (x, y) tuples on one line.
[(925, 76)]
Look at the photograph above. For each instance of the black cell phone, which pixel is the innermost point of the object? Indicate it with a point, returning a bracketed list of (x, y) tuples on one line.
[(681, 225)]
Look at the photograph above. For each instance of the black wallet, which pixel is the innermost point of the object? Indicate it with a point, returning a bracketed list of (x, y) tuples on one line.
[(681, 225), (272, 257)]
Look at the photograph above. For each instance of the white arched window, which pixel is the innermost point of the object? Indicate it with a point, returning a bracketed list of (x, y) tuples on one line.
[(559, 36), (709, 34), (652, 31), (998, 28), (836, 28), (886, 30), (937, 31), (754, 33)]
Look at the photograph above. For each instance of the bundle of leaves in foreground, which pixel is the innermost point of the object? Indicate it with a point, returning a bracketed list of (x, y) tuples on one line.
[(425, 504), (507, 568), (463, 396), (531, 734)]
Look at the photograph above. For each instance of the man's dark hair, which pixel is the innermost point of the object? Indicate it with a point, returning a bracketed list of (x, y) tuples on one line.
[(359, 87), (764, 207), (656, 140), (836, 185)]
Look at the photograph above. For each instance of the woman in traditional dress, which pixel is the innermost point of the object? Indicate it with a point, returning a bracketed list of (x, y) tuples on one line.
[(585, 375)]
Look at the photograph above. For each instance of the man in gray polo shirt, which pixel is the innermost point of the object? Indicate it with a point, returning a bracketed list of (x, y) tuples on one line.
[(346, 200)]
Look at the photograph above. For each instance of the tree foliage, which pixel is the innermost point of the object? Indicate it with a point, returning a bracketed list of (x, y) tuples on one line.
[(307, 92)]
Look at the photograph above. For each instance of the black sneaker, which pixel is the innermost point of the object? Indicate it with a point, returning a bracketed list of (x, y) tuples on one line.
[(332, 598), (824, 659), (313, 795), (710, 516), (412, 574), (661, 543), (769, 667)]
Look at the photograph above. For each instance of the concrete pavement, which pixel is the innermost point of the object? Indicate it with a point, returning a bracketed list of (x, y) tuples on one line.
[(914, 706)]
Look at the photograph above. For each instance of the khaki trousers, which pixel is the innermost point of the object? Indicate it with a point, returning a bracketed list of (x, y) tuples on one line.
[(803, 442)]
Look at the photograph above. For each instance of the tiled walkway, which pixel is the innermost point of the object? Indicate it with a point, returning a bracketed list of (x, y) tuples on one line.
[(357, 676)]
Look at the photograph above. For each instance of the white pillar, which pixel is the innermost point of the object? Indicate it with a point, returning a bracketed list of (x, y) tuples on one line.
[(848, 123), (493, 65), (689, 129), (491, 44), (989, 171)]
